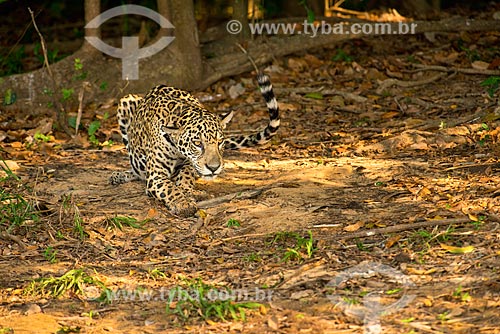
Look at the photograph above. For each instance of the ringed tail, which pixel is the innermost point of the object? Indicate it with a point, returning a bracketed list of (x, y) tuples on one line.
[(263, 136)]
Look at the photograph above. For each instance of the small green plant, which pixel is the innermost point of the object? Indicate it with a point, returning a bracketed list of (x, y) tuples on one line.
[(253, 257), (52, 55), (78, 226), (93, 127), (351, 300), (443, 316), (50, 254), (156, 274), (6, 330), (91, 314), (9, 97), (41, 137), (12, 62), (411, 59), (461, 295), (74, 280), (233, 223), (341, 55), (120, 221), (68, 329), (14, 209), (478, 223), (302, 248), (492, 83), (78, 64), (103, 86), (361, 246), (67, 93), (196, 298), (80, 74), (291, 254)]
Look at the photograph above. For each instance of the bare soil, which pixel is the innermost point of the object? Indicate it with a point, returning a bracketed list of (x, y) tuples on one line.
[(337, 168)]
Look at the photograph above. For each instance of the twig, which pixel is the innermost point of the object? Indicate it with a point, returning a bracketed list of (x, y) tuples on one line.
[(16, 239), (422, 67), (61, 119), (397, 228), (249, 57), (391, 82), (80, 110), (252, 235), (85, 84), (306, 90), (227, 198)]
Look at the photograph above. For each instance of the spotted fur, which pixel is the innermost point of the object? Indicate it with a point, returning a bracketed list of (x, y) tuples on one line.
[(172, 139)]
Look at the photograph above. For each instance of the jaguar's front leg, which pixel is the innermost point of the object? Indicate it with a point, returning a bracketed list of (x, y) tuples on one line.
[(162, 187), (185, 177)]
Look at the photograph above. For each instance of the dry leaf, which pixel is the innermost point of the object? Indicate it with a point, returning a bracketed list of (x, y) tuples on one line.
[(9, 165), (480, 65), (354, 227), (152, 212), (273, 323), (392, 240)]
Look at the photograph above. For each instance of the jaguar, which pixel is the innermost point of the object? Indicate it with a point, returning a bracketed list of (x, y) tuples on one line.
[(172, 140)]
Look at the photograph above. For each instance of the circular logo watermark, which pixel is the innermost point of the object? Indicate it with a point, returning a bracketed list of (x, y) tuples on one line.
[(372, 308), (234, 27), (130, 53)]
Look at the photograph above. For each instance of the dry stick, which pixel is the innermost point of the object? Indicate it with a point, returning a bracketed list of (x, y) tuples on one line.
[(85, 84), (249, 57), (59, 107), (322, 90), (227, 198), (421, 67), (397, 228), (391, 82), (80, 110)]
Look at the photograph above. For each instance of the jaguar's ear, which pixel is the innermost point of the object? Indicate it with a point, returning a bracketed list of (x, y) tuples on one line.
[(226, 118), (169, 132)]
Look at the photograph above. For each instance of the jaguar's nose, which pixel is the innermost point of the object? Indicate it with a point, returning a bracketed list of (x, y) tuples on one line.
[(213, 168)]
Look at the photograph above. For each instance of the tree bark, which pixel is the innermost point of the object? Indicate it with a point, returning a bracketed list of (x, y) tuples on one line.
[(240, 13), (92, 8), (183, 55)]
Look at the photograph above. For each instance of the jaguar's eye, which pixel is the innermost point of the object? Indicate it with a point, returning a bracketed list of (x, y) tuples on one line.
[(198, 143)]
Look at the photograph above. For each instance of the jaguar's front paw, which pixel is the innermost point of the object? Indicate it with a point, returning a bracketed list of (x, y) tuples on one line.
[(183, 208)]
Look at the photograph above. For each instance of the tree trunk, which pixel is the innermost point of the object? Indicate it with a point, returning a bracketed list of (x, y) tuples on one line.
[(92, 8), (183, 57), (240, 14)]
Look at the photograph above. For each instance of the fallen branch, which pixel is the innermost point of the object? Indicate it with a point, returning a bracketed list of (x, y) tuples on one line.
[(397, 228), (421, 67), (394, 82), (227, 198)]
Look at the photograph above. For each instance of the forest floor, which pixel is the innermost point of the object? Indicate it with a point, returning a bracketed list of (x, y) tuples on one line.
[(376, 207)]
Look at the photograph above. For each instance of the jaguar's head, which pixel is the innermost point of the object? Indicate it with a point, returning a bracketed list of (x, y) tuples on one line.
[(202, 142)]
